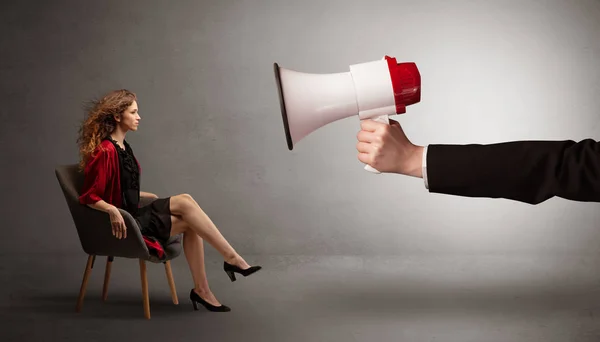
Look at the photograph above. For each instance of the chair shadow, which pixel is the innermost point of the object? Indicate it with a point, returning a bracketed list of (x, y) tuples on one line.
[(117, 306)]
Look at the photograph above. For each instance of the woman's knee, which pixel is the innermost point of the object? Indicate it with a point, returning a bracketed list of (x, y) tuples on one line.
[(186, 197), (182, 203)]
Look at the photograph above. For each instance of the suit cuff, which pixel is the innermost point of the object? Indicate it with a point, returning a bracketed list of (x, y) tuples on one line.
[(424, 167)]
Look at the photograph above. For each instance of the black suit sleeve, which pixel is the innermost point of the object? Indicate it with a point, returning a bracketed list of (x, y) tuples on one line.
[(526, 171)]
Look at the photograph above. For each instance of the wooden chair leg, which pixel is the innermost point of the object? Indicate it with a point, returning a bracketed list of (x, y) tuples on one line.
[(86, 275), (171, 282), (145, 295), (109, 262)]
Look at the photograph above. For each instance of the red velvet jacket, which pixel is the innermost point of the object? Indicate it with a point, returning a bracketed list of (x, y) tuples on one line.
[(103, 182), (102, 176)]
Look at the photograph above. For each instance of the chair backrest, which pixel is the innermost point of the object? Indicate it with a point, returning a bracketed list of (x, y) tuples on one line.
[(93, 226), (71, 179)]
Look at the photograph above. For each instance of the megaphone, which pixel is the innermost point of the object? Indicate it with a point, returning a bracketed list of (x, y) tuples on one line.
[(372, 90)]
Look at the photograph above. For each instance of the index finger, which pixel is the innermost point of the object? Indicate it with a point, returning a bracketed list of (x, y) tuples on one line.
[(370, 125)]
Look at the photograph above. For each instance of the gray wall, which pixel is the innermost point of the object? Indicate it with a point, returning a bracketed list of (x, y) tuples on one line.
[(211, 126)]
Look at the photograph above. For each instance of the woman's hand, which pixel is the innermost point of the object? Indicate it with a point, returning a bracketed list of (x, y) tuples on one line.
[(119, 229)]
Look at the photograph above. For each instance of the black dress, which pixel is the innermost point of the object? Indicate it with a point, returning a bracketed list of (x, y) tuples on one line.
[(154, 219)]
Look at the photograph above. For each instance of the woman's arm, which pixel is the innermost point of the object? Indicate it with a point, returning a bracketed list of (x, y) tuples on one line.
[(119, 229), (103, 206), (96, 178)]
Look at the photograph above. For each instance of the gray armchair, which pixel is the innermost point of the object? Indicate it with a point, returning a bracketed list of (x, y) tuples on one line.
[(95, 235)]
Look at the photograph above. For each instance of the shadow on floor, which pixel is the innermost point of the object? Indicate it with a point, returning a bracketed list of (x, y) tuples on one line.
[(116, 307)]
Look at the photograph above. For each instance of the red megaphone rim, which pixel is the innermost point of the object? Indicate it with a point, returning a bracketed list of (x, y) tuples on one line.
[(406, 82)]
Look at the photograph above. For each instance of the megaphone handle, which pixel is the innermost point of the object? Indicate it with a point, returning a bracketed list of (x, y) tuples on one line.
[(383, 119)]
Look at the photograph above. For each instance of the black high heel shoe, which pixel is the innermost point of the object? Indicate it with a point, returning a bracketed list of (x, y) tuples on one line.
[(231, 270), (197, 299)]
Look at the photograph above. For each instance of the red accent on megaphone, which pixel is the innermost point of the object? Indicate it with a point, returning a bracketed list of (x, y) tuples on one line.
[(406, 82)]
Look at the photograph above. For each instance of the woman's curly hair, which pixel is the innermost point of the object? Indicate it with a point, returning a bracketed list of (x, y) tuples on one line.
[(100, 121)]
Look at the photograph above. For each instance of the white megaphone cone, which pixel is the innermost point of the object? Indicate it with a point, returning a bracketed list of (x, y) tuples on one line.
[(372, 90)]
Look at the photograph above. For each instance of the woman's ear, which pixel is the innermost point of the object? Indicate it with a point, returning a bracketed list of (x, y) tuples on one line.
[(117, 117)]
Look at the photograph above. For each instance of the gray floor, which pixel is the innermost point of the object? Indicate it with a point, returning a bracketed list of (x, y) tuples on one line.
[(412, 298)]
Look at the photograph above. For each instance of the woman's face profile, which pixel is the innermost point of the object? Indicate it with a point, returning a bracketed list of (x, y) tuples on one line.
[(130, 118)]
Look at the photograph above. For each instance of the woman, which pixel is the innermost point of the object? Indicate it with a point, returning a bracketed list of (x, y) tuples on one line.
[(112, 181)]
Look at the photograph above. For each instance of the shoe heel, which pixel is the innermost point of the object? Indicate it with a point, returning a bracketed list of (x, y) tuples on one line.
[(231, 275), (196, 299)]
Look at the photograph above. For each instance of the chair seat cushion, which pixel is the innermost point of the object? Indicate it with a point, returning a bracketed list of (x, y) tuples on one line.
[(172, 249)]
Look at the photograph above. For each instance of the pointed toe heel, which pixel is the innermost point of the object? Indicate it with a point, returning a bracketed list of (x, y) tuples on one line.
[(195, 298)]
